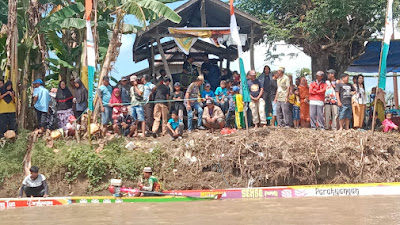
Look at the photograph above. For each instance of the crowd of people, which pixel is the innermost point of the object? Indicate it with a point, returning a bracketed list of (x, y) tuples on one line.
[(145, 106)]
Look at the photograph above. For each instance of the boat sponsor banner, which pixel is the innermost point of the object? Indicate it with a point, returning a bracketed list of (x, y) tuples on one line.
[(37, 202), (298, 191)]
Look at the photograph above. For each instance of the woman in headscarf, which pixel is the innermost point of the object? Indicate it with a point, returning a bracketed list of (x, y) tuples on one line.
[(7, 109), (116, 104), (304, 103), (64, 105), (81, 95)]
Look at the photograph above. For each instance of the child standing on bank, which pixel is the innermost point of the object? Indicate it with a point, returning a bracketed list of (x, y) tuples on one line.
[(239, 106), (294, 99), (178, 96)]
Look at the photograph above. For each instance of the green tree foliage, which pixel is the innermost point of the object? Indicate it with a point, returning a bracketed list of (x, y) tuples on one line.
[(331, 32)]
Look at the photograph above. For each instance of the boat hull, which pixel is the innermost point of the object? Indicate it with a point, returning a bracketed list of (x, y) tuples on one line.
[(39, 202), (368, 189)]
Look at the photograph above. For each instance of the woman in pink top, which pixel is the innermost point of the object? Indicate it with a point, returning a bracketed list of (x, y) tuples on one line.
[(388, 124)]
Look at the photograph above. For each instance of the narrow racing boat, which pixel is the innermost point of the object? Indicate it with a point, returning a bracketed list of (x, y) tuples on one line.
[(37, 202)]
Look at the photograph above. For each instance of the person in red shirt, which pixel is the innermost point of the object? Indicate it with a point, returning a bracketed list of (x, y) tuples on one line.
[(317, 97)]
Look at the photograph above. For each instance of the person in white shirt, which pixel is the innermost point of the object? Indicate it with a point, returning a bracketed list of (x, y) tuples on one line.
[(34, 185)]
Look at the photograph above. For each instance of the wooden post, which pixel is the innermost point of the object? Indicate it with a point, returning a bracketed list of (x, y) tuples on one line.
[(252, 48), (153, 67), (203, 13), (228, 64), (164, 59), (221, 60), (396, 92)]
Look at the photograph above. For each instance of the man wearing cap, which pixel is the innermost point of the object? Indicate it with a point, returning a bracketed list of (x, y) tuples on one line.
[(283, 113), (41, 101), (331, 108), (161, 107), (151, 183), (213, 117), (137, 111), (104, 93), (192, 102), (125, 124), (124, 88), (257, 104), (317, 98), (34, 185)]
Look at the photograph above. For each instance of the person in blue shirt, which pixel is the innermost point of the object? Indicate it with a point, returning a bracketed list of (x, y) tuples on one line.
[(175, 126), (41, 101), (207, 92), (104, 94), (221, 100)]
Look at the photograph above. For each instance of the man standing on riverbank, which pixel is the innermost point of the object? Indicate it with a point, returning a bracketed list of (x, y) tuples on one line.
[(283, 113), (41, 99), (344, 92), (34, 185)]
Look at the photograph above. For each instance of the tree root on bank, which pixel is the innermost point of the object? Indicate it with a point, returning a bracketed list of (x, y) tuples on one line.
[(284, 157)]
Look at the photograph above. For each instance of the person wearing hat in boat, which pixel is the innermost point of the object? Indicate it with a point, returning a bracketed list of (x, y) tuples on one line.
[(34, 185), (151, 182), (213, 117)]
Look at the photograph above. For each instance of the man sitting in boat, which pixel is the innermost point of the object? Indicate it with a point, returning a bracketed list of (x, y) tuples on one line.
[(34, 185), (152, 184)]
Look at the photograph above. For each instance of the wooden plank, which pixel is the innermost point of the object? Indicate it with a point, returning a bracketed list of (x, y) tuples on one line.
[(252, 65), (164, 59), (203, 13), (396, 92)]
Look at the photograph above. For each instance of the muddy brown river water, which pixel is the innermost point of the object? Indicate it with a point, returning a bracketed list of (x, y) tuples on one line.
[(330, 210)]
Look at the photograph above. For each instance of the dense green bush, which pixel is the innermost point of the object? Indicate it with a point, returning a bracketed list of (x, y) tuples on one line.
[(81, 160), (11, 156)]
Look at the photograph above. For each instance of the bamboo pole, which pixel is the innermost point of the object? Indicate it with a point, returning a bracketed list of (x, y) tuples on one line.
[(377, 86), (164, 60), (252, 65), (203, 13), (396, 91)]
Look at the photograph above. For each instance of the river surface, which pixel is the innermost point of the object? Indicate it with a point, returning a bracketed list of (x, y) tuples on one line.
[(331, 210)]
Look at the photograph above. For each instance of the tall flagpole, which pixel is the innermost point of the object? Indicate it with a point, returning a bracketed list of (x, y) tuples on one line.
[(236, 37), (386, 37)]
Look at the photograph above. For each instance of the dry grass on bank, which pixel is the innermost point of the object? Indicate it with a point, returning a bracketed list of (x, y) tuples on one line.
[(283, 157)]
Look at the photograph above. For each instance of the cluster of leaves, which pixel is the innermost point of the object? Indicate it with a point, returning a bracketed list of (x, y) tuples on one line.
[(334, 28), (82, 161), (12, 155)]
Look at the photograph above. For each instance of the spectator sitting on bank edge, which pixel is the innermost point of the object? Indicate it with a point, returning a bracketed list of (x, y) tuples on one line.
[(175, 126), (125, 124), (213, 117)]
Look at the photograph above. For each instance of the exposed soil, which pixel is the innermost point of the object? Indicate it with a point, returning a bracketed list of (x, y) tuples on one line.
[(264, 157)]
